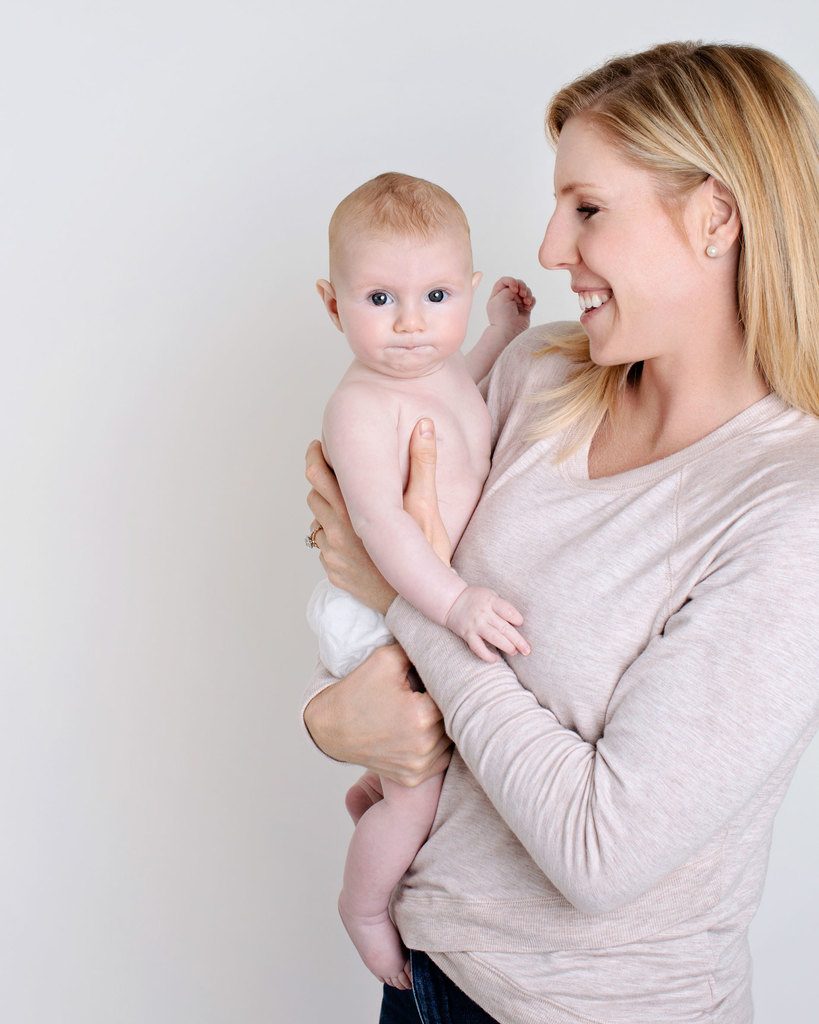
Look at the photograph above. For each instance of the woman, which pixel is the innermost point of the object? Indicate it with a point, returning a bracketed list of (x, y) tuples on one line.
[(653, 510)]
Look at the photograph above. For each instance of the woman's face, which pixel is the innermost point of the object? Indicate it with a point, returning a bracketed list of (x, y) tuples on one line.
[(641, 274)]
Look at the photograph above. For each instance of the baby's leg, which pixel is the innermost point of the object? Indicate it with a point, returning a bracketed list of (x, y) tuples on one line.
[(384, 844), (363, 794)]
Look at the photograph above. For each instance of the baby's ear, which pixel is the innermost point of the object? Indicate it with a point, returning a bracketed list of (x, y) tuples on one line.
[(328, 296), (476, 279)]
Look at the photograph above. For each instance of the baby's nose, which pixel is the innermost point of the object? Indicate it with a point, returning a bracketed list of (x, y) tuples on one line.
[(409, 319)]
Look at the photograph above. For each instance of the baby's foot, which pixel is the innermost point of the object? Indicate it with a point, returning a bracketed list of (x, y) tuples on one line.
[(379, 945)]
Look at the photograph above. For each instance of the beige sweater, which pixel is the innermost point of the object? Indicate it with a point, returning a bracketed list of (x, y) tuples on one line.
[(602, 836)]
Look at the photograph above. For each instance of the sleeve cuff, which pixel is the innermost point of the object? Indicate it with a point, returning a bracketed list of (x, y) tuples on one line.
[(319, 681)]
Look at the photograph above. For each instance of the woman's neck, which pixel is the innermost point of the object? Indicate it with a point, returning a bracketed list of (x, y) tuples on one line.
[(668, 407), (676, 402)]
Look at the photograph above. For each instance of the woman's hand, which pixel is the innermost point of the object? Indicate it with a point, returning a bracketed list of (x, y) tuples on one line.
[(342, 554), (374, 718)]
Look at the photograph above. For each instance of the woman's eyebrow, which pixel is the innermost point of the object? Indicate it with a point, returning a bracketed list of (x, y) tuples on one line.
[(577, 186)]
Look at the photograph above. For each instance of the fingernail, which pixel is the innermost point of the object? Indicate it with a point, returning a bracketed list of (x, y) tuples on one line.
[(426, 428)]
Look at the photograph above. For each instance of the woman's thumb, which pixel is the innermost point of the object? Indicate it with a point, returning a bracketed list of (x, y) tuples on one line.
[(420, 497), (423, 453)]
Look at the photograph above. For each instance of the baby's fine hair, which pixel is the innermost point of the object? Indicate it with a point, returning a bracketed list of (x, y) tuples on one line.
[(400, 204)]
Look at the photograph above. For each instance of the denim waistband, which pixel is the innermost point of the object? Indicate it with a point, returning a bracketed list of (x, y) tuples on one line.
[(434, 999)]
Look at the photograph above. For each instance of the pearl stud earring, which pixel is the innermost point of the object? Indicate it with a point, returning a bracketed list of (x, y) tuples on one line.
[(712, 250)]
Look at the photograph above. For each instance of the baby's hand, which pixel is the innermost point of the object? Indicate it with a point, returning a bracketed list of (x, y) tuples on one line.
[(510, 306), (479, 617)]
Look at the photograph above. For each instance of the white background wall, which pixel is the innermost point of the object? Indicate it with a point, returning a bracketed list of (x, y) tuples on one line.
[(171, 848)]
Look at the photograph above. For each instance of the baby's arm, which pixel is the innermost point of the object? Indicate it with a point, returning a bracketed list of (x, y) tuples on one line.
[(509, 308), (361, 443)]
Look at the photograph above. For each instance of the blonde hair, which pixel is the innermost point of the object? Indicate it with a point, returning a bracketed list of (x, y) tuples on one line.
[(400, 204), (687, 111)]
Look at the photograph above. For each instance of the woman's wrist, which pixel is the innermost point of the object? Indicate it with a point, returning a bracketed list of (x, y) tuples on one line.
[(384, 596), (321, 720)]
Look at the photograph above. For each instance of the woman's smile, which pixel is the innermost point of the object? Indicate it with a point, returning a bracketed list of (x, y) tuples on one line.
[(591, 301)]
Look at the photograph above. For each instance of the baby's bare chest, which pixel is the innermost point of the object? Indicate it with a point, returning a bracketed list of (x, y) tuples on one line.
[(463, 438), (463, 427), (462, 433)]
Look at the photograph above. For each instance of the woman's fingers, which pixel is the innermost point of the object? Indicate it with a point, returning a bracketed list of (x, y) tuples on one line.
[(426, 765), (316, 532), (322, 478), (393, 658), (320, 507), (324, 515), (324, 500)]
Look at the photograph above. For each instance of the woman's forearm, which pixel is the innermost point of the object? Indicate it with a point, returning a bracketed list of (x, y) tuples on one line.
[(696, 727)]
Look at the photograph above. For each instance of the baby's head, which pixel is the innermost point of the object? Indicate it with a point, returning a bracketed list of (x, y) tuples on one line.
[(401, 279)]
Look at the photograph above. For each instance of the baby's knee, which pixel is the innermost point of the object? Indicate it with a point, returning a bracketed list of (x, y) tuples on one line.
[(361, 796)]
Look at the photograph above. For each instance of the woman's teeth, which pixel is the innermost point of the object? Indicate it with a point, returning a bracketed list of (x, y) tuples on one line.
[(591, 300)]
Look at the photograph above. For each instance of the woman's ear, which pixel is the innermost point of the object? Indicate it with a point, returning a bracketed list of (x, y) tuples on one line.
[(723, 225), (327, 294), (476, 279)]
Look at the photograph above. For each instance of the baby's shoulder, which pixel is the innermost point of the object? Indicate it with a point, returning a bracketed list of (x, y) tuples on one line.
[(360, 400)]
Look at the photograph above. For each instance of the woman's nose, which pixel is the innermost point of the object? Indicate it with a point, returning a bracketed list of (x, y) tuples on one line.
[(558, 250)]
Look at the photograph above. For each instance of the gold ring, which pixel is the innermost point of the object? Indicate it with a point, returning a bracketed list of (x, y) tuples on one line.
[(310, 539)]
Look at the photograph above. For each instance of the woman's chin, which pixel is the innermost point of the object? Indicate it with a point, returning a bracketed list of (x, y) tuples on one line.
[(604, 354), (606, 350)]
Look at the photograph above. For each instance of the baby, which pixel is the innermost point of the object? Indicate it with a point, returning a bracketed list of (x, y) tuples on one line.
[(400, 289)]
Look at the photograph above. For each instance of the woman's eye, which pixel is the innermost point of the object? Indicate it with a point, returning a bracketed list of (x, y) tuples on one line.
[(379, 298), (589, 211), (436, 295)]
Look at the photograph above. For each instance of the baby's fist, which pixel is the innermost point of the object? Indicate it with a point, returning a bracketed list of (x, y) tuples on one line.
[(510, 305)]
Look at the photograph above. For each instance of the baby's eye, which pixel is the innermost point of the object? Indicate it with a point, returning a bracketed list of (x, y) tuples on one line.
[(379, 298), (436, 295), (589, 211)]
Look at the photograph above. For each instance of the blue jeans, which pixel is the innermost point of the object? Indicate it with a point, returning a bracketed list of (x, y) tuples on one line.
[(434, 999)]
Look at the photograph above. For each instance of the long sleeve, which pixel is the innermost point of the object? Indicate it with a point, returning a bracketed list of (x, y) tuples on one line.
[(696, 725), (319, 680)]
